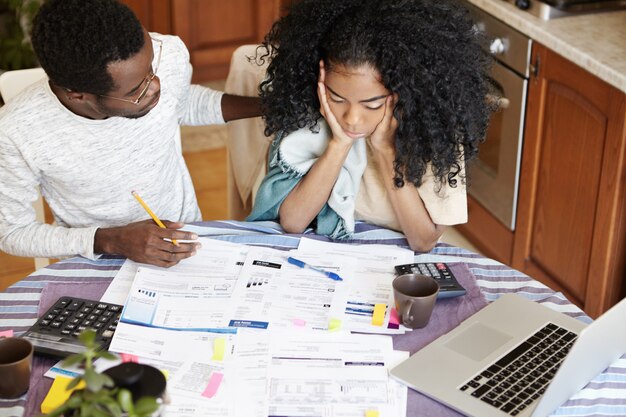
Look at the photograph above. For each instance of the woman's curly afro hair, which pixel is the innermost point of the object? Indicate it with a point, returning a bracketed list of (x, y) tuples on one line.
[(75, 41), (426, 51)]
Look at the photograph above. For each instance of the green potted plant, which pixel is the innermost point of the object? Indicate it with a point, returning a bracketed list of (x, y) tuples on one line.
[(16, 17), (101, 395)]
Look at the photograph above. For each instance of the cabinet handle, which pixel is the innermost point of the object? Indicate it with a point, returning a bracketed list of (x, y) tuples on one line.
[(534, 67), (499, 102)]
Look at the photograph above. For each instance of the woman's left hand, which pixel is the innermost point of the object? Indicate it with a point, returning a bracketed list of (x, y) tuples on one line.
[(383, 137)]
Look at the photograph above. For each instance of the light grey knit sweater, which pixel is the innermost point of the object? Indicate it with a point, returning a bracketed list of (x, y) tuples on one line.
[(86, 169)]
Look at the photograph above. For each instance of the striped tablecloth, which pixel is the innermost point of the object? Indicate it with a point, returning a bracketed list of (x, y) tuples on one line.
[(604, 396)]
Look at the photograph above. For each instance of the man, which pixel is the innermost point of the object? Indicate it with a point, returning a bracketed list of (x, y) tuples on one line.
[(105, 123)]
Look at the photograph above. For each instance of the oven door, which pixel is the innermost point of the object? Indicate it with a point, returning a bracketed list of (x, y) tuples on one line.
[(494, 175)]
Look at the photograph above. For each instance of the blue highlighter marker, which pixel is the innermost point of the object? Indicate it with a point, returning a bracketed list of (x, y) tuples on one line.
[(304, 265)]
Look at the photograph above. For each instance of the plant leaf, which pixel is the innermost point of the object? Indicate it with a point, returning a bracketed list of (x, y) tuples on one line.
[(125, 399), (85, 410), (73, 360), (106, 355), (74, 382), (107, 381), (94, 381), (112, 406), (88, 337), (146, 406), (99, 413), (75, 400)]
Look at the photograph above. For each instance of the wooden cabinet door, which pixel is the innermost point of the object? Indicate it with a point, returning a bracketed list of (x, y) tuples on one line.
[(487, 233), (154, 15), (213, 29), (571, 223)]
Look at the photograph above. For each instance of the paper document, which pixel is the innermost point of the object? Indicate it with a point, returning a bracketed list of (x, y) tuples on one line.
[(271, 290), (241, 332), (373, 276), (331, 375), (193, 295), (118, 290)]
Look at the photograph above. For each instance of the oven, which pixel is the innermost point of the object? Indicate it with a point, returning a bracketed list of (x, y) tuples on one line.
[(494, 175), (551, 9)]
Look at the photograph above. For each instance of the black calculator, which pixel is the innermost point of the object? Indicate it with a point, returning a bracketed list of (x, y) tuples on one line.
[(56, 332), (448, 285)]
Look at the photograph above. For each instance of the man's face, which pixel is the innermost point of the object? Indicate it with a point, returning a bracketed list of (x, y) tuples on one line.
[(137, 87)]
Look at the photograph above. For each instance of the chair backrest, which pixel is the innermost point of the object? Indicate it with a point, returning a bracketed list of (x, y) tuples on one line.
[(246, 142), (11, 84)]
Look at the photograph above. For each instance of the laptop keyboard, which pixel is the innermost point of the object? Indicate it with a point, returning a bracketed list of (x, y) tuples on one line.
[(519, 378)]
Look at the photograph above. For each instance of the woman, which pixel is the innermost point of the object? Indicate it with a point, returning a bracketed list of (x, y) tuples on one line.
[(375, 106)]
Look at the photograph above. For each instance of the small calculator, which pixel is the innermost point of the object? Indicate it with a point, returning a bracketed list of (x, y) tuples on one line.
[(56, 332), (448, 285)]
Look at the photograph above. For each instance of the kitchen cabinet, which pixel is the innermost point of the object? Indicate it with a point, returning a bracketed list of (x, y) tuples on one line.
[(211, 29), (571, 222), (486, 232)]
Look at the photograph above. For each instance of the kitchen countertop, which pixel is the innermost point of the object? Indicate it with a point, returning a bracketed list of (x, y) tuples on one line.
[(595, 42)]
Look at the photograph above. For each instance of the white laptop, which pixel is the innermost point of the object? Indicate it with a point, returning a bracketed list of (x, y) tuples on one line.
[(503, 360)]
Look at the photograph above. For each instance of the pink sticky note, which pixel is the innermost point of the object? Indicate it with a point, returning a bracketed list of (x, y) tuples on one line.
[(127, 357), (299, 322), (394, 321), (6, 333), (214, 383)]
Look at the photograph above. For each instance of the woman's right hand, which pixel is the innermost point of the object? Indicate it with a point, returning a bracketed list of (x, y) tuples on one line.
[(338, 134)]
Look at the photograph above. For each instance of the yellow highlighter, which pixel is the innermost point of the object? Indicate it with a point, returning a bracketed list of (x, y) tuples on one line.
[(151, 213)]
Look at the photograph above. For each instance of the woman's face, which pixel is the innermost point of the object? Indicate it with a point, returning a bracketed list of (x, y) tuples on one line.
[(356, 97)]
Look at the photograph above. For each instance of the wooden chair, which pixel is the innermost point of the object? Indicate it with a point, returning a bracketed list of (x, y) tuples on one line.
[(247, 145)]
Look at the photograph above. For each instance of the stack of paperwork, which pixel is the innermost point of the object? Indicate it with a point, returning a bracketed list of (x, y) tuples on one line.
[(242, 332)]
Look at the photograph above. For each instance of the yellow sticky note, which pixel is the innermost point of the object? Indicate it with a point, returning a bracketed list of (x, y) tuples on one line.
[(58, 393), (334, 325), (378, 317), (219, 346), (371, 413)]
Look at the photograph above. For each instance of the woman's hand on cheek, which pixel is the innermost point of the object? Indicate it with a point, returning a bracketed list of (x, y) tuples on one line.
[(383, 137), (337, 131)]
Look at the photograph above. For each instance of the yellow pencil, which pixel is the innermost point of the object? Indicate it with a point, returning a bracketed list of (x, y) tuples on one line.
[(151, 213)]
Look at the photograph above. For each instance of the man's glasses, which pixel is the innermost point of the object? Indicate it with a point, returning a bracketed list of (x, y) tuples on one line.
[(148, 80)]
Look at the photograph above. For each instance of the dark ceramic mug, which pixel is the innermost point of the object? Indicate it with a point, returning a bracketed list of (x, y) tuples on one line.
[(16, 361), (415, 297)]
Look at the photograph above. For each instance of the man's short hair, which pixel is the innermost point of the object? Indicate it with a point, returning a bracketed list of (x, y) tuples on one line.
[(75, 41)]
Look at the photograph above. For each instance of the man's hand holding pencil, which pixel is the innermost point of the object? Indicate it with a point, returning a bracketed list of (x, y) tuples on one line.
[(152, 241)]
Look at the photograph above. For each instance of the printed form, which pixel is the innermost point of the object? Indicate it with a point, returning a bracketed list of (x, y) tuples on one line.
[(238, 286), (333, 375), (272, 291), (193, 295), (202, 381), (214, 255), (371, 284)]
